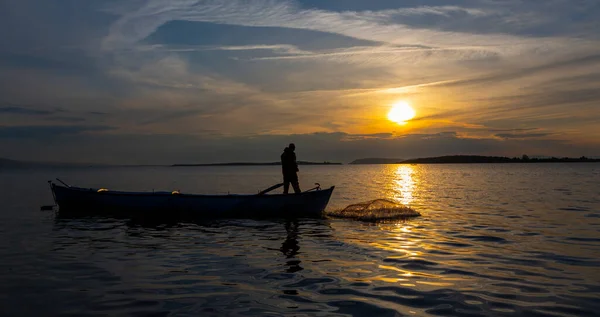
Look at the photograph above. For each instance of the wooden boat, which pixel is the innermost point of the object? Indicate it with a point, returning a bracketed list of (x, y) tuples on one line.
[(84, 200)]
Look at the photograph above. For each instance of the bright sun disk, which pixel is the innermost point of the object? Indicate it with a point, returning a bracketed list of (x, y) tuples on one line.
[(401, 112)]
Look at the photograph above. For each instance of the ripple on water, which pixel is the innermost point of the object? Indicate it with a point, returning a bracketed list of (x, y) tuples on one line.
[(455, 244), (358, 308), (568, 260), (309, 282), (584, 239), (483, 238), (412, 264)]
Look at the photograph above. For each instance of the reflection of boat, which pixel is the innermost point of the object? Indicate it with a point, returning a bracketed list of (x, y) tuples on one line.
[(81, 200)]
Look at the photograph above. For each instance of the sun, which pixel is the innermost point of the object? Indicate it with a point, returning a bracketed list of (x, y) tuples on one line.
[(401, 112)]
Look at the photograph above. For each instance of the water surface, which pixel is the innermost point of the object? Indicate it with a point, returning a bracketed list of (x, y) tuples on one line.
[(493, 240)]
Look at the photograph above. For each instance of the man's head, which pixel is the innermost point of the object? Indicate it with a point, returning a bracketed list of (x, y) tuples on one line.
[(292, 146)]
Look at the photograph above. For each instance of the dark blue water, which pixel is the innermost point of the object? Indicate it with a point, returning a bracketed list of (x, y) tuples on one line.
[(493, 240)]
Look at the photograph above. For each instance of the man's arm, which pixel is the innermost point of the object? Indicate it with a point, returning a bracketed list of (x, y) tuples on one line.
[(295, 163)]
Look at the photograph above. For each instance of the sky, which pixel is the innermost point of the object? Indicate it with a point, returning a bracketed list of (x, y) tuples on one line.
[(162, 82)]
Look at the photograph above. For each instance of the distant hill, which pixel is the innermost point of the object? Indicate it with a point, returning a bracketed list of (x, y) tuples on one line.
[(377, 161), (255, 164), (466, 159)]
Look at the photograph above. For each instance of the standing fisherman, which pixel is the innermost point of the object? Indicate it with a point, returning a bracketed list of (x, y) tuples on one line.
[(289, 167)]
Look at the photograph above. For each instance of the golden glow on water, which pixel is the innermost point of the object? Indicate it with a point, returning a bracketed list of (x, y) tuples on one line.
[(404, 184), (440, 284), (461, 242)]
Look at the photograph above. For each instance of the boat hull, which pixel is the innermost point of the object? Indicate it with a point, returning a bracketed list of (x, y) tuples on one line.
[(89, 200)]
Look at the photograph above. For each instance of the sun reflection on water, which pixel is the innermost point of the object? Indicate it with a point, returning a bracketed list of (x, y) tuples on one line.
[(403, 184)]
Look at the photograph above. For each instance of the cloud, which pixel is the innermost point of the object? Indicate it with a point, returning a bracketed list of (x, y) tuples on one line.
[(528, 71), (13, 109), (428, 10), (522, 135), (424, 49), (47, 131), (387, 55), (28, 115), (67, 119), (378, 26), (539, 106), (278, 49), (167, 91), (513, 130), (180, 34)]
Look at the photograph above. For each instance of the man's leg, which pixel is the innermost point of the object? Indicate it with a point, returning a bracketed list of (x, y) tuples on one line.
[(296, 185), (286, 185)]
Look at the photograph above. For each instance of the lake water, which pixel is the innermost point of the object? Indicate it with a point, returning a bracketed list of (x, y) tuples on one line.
[(493, 240)]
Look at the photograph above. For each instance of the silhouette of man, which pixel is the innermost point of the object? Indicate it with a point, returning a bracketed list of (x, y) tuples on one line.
[(289, 167)]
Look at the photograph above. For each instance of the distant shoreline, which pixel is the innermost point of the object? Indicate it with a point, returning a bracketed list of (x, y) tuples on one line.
[(476, 159), (453, 159), (253, 164)]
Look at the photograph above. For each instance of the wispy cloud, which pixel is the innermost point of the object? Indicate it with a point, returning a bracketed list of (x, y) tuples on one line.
[(42, 113), (375, 26), (276, 49), (47, 131), (522, 135), (389, 55), (13, 109), (527, 71), (426, 10)]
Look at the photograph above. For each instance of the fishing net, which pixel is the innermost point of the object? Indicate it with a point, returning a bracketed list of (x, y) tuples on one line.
[(375, 210)]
